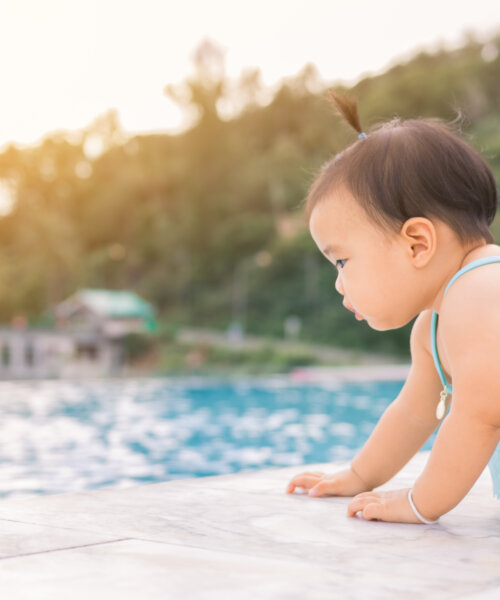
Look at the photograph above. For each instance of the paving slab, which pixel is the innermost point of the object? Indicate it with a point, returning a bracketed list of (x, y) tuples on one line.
[(241, 536), (18, 539)]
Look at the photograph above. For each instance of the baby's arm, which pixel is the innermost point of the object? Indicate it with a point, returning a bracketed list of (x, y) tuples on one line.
[(471, 431), (409, 421), (401, 431)]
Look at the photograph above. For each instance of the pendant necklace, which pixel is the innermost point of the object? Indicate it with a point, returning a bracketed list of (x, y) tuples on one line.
[(441, 407)]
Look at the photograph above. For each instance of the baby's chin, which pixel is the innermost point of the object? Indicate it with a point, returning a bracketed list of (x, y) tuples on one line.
[(381, 324)]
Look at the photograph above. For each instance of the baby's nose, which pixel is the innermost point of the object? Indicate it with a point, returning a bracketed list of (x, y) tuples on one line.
[(338, 285)]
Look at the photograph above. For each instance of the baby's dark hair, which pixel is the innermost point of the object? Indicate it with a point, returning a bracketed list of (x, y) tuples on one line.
[(411, 168)]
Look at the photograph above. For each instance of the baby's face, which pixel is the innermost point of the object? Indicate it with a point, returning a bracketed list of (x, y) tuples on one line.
[(374, 272)]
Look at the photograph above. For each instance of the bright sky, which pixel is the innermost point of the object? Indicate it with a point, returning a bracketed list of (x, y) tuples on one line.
[(64, 62)]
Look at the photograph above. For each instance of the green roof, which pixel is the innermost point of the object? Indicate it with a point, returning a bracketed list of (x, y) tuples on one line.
[(117, 304)]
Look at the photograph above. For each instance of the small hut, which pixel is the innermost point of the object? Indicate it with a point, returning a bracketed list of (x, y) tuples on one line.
[(88, 339)]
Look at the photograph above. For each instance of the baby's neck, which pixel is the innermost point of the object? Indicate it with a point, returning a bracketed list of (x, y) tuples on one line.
[(480, 250), (450, 257)]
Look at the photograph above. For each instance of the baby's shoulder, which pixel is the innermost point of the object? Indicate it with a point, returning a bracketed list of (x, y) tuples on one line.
[(469, 324), (470, 311), (480, 282), (475, 294)]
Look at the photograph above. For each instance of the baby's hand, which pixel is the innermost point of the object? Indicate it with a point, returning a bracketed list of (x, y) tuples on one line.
[(343, 483), (383, 506)]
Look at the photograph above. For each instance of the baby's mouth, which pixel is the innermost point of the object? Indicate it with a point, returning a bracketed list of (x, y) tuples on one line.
[(356, 314)]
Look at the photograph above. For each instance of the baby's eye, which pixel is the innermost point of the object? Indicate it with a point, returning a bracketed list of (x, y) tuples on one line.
[(340, 263)]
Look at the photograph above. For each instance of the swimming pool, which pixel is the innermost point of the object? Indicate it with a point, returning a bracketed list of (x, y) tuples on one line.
[(63, 436)]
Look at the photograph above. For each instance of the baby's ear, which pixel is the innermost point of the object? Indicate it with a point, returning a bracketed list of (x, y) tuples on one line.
[(419, 237)]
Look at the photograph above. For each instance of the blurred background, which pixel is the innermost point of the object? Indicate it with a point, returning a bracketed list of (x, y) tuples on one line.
[(164, 149), (154, 158)]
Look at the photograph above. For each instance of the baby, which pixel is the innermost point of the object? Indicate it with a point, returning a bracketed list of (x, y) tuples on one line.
[(403, 214)]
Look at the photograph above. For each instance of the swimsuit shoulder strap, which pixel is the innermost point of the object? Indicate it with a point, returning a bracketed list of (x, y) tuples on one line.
[(472, 265)]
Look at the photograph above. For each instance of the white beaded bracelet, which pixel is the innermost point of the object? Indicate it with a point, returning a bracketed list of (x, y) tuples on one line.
[(415, 511)]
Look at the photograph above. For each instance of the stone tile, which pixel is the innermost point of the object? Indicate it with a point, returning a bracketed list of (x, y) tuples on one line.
[(248, 517), (148, 570), (491, 594), (25, 538)]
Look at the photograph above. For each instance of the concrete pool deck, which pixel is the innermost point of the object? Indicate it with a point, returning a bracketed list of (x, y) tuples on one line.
[(242, 537)]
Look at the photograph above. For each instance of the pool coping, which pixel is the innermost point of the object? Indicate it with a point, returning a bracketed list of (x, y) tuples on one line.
[(241, 536)]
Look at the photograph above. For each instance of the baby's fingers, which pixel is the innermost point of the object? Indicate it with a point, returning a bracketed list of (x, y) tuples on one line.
[(304, 480), (368, 505), (327, 487)]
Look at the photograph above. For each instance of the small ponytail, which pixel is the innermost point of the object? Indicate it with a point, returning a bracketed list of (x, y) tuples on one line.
[(348, 108), (411, 168)]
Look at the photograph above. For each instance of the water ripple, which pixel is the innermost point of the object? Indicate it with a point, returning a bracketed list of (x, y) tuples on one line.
[(64, 436)]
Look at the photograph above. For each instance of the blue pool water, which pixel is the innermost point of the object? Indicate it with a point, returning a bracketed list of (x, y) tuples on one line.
[(61, 436)]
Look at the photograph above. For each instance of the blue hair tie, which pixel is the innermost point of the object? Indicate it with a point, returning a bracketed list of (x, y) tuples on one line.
[(362, 136)]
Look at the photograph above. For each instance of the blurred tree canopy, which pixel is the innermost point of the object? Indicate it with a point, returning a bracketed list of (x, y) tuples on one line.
[(208, 224)]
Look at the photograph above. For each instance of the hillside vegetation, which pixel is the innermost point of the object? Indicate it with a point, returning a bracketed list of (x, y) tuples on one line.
[(207, 224)]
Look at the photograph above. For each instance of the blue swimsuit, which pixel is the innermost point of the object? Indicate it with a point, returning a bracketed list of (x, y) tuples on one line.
[(494, 463)]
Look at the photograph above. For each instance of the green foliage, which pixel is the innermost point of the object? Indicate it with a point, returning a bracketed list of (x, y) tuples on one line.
[(204, 359), (208, 224), (137, 345)]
